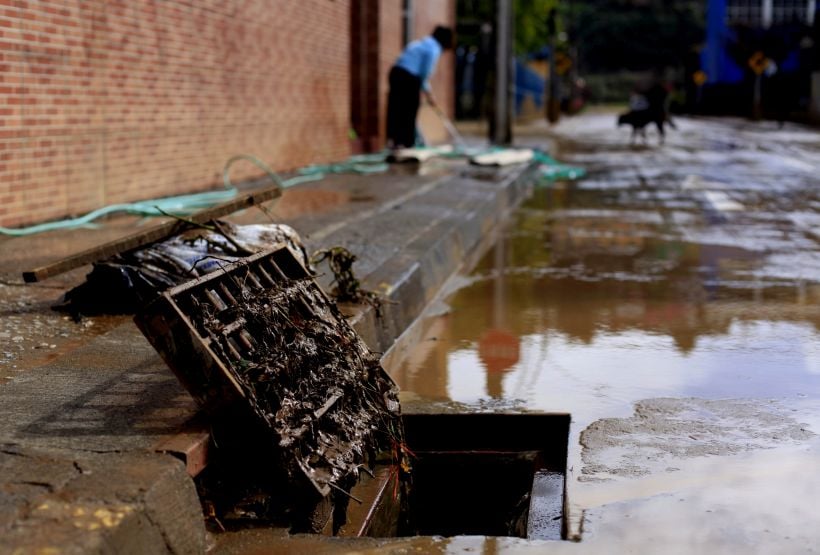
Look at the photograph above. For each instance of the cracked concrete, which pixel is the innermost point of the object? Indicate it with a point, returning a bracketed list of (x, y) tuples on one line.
[(661, 432), (96, 503)]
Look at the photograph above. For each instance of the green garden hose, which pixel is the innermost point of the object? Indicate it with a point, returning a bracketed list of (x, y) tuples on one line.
[(364, 164)]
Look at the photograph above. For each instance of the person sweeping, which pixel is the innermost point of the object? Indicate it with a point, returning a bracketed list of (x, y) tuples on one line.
[(409, 79)]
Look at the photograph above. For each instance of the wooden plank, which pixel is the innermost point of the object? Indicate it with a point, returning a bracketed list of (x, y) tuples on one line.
[(378, 513), (152, 235), (190, 446)]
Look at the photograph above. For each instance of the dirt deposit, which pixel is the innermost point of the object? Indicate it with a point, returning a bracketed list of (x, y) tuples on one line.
[(662, 431)]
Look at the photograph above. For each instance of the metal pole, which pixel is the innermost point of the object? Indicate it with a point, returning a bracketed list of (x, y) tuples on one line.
[(553, 102), (757, 98), (502, 134), (766, 13)]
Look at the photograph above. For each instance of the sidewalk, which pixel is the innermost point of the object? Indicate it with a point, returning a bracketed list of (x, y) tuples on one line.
[(89, 410)]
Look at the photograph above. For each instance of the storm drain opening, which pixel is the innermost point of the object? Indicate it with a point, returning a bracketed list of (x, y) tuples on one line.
[(473, 474), (306, 428), (298, 406)]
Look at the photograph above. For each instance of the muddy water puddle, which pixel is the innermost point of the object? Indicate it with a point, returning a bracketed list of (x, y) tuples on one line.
[(588, 311), (33, 334), (676, 320)]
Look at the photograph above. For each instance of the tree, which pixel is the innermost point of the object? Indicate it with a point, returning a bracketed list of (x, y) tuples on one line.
[(637, 35), (530, 22), (531, 33)]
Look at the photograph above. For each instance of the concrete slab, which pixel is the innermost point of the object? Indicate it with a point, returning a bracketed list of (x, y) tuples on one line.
[(78, 502), (112, 394)]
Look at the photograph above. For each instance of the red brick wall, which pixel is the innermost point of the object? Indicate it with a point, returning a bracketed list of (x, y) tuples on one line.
[(391, 27), (376, 41), (378, 27), (105, 101), (426, 15)]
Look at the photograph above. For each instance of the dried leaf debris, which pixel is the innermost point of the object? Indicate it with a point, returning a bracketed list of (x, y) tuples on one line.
[(347, 288), (308, 376)]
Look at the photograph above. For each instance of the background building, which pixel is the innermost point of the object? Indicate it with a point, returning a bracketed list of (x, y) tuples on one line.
[(778, 38)]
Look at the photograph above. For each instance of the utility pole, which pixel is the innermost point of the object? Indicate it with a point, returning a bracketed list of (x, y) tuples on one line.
[(502, 117), (552, 102), (407, 28), (766, 13), (757, 98)]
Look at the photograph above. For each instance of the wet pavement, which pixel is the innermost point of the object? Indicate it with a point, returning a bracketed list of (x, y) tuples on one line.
[(670, 301), (71, 389)]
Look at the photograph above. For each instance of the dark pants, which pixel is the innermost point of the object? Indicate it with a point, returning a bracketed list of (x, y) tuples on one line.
[(402, 107)]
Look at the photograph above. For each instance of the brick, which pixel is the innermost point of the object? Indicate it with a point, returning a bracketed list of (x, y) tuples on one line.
[(113, 101)]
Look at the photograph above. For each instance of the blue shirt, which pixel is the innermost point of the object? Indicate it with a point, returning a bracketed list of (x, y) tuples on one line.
[(419, 58)]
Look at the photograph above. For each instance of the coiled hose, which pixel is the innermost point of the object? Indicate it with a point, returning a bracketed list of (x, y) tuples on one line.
[(187, 204), (182, 205)]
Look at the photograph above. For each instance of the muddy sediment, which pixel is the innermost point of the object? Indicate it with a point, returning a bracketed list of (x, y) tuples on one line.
[(662, 432), (668, 301)]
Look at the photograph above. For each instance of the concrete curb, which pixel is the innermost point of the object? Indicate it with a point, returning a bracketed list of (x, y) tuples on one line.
[(412, 278), (133, 500), (79, 502)]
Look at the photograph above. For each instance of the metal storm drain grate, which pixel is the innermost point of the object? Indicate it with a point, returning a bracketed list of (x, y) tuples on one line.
[(261, 334)]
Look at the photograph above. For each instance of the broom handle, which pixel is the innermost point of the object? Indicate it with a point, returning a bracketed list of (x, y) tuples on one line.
[(451, 129)]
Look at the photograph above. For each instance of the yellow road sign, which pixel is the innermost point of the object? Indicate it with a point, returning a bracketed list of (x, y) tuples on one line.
[(563, 63), (758, 62)]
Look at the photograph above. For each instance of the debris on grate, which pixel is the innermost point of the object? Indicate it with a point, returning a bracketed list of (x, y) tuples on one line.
[(126, 281), (261, 334), (346, 287)]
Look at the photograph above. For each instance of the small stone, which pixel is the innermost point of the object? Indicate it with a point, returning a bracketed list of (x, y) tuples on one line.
[(52, 346), (17, 338)]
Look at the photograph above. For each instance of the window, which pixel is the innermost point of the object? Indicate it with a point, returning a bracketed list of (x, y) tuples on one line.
[(744, 12), (787, 11), (763, 13)]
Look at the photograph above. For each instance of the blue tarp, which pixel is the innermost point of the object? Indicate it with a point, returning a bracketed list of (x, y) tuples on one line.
[(527, 83)]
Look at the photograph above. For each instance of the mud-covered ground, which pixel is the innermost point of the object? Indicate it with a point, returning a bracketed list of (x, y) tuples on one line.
[(670, 301), (31, 333)]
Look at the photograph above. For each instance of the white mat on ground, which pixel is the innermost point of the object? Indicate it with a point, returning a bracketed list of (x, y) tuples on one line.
[(504, 157), (421, 154)]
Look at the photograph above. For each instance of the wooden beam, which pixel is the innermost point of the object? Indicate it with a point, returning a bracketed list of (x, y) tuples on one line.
[(152, 235)]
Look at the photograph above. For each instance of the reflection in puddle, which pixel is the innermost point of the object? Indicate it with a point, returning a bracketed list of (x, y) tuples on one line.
[(588, 314), (669, 302)]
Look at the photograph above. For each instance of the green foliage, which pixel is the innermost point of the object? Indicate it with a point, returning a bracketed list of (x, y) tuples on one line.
[(530, 20), (618, 34), (531, 24), (610, 35)]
